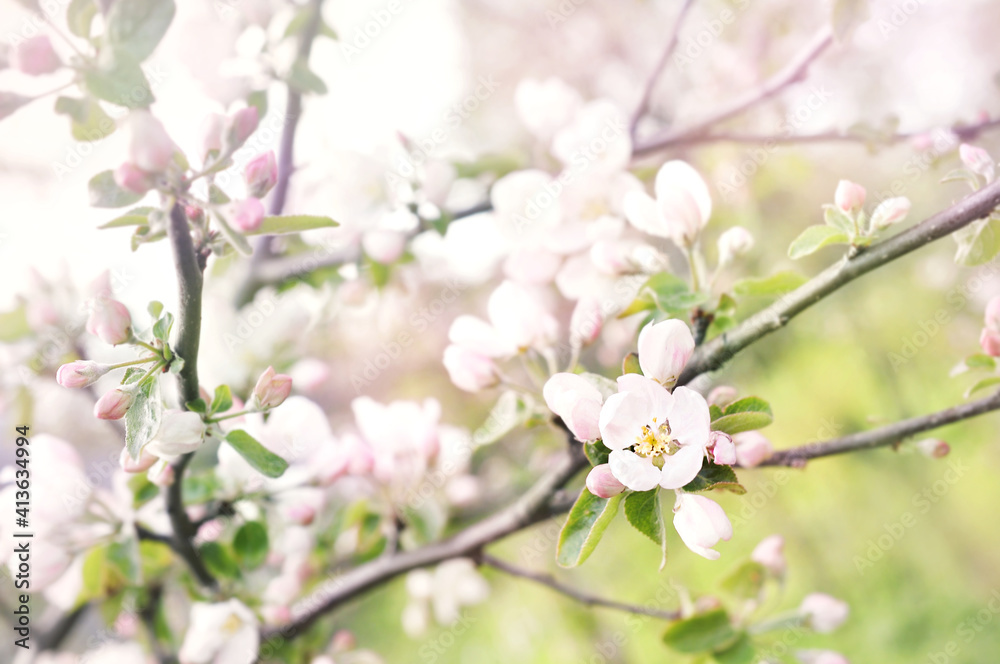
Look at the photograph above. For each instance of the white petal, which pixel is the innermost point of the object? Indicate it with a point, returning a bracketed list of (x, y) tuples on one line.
[(643, 213), (681, 175), (664, 349), (622, 418), (681, 467), (660, 400), (477, 335), (577, 402), (690, 421), (636, 472)]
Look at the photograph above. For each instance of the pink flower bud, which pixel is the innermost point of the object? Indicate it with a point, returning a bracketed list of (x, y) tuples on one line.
[(161, 474), (890, 211), (80, 373), (824, 613), (110, 321), (723, 449), (849, 197), (976, 160), (733, 243), (114, 404), (602, 483), (210, 133), (469, 370), (383, 246), (722, 396), (701, 523), (275, 614), (752, 448), (144, 463), (240, 126), (246, 215), (35, 56), (935, 448), (130, 177), (343, 641), (261, 174), (770, 554), (989, 341), (150, 147), (272, 389), (586, 322)]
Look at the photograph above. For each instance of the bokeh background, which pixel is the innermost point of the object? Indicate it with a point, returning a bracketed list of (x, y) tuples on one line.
[(831, 372)]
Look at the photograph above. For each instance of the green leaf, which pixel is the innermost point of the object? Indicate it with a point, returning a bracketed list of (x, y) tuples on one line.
[(142, 490), (142, 420), (161, 328), (303, 80), (218, 561), (815, 238), (587, 521), (962, 175), (508, 413), (292, 224), (79, 17), (596, 452), (89, 122), (154, 308), (105, 192), (10, 102), (118, 79), (643, 511), (197, 406), (234, 238), (746, 580), (258, 99), (705, 632), (847, 16), (666, 292), (778, 283), (978, 242), (747, 414), (137, 26), (262, 459), (250, 545), (135, 217), (741, 652), (222, 401), (155, 559), (714, 476), (982, 385), (630, 365)]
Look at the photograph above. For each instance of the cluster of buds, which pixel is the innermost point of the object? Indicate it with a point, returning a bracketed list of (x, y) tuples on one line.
[(35, 56), (847, 212), (151, 153)]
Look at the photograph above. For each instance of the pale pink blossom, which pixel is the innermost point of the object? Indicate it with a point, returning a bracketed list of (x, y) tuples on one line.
[(271, 389), (577, 401), (890, 211), (989, 339), (752, 448), (722, 395), (383, 245), (477, 335), (934, 448), (586, 322), (179, 432), (596, 143), (849, 196), (602, 482), (130, 177), (526, 205), (469, 370), (701, 523), (35, 56), (81, 373), (150, 147), (770, 553), (723, 449), (680, 210), (310, 374), (222, 633), (115, 403), (733, 243), (977, 160), (261, 174), (110, 321), (246, 215), (545, 107), (823, 612), (664, 350), (239, 126), (403, 435), (144, 463), (161, 474)]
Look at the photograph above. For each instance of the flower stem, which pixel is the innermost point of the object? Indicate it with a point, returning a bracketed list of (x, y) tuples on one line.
[(133, 363)]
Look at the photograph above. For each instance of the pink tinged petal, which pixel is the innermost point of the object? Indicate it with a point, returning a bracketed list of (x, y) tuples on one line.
[(635, 472), (477, 335), (602, 482), (992, 315), (643, 213), (824, 613), (622, 419), (752, 448), (770, 554), (664, 349), (658, 397), (681, 467), (701, 523), (469, 370), (989, 341), (577, 402), (976, 160), (723, 448), (532, 266), (681, 175), (690, 421), (849, 197)]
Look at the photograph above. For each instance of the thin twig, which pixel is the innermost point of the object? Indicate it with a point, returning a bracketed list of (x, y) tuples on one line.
[(62, 628), (588, 600), (647, 93)]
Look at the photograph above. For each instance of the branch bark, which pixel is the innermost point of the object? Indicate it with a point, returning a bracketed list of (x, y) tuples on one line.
[(715, 353)]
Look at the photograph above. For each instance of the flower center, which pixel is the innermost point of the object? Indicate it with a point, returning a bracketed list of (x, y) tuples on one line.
[(654, 441)]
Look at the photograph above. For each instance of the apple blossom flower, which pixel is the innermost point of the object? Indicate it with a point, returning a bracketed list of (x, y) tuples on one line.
[(144, 463), (545, 107), (222, 633), (115, 403), (934, 448), (890, 211), (722, 395), (577, 401), (246, 215), (823, 612), (977, 160), (442, 593), (600, 122), (770, 553), (81, 373), (664, 350), (722, 448), (752, 448), (150, 147), (821, 657), (35, 56), (849, 197), (383, 245), (681, 209), (701, 523), (130, 177), (239, 126), (586, 322), (210, 133), (309, 374), (261, 174), (602, 483), (403, 435), (271, 389), (469, 370), (733, 243), (180, 432), (989, 339), (110, 321)]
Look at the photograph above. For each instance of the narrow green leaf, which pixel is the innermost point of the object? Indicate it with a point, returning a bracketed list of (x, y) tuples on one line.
[(118, 79), (586, 523), (154, 308), (250, 544), (79, 17), (89, 122), (105, 192), (197, 406), (776, 284), (747, 414), (643, 511), (135, 217), (262, 459), (815, 238), (292, 224), (161, 328), (222, 401), (978, 242), (834, 217), (713, 476), (137, 26), (982, 385), (142, 420), (704, 632), (741, 652)]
